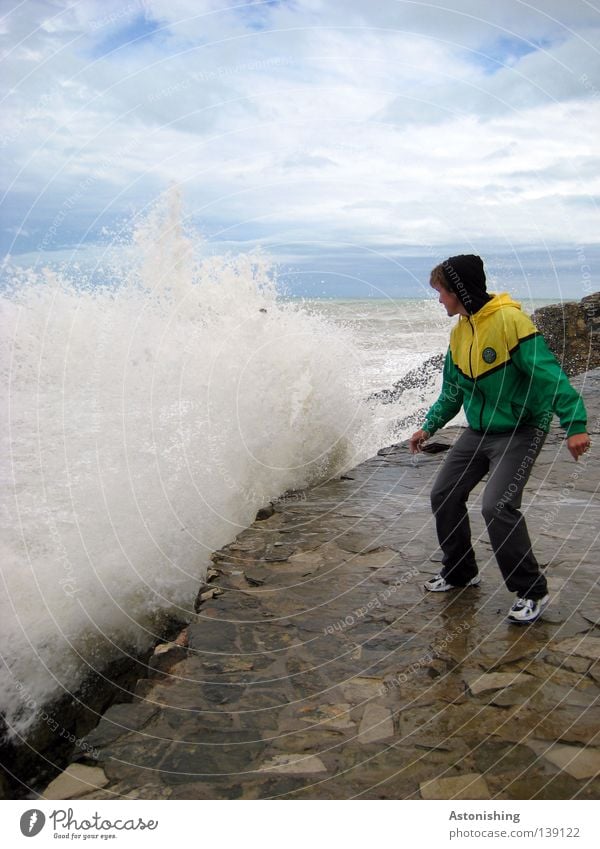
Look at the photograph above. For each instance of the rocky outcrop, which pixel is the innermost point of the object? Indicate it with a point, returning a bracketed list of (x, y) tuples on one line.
[(26, 767), (572, 331), (421, 378)]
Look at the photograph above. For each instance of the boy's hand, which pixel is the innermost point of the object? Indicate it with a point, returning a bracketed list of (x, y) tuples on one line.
[(578, 444), (415, 443)]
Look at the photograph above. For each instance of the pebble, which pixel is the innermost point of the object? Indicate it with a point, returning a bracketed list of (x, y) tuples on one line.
[(470, 786), (76, 782)]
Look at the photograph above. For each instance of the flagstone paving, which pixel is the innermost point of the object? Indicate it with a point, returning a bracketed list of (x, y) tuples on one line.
[(318, 667)]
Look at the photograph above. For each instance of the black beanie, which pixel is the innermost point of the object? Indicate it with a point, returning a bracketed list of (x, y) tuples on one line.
[(466, 278)]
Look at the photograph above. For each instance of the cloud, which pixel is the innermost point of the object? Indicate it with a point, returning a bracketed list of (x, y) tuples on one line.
[(370, 124)]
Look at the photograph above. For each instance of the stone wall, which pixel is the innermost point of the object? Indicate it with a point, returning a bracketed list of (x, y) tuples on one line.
[(572, 331)]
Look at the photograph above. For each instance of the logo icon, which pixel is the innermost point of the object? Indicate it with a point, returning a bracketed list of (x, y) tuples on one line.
[(489, 355), (32, 822)]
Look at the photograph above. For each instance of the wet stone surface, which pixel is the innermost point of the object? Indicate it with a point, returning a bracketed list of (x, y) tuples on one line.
[(322, 669)]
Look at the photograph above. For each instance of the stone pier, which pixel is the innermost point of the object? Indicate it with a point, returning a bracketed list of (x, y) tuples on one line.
[(317, 667)]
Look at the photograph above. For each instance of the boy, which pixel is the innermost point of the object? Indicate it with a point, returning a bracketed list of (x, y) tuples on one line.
[(500, 369)]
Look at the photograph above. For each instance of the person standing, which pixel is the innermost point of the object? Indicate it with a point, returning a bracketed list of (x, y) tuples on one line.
[(500, 370)]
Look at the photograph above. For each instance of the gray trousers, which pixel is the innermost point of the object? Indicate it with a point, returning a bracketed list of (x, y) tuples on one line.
[(509, 458)]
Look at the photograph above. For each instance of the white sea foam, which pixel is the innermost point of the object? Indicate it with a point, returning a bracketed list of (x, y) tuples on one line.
[(146, 423)]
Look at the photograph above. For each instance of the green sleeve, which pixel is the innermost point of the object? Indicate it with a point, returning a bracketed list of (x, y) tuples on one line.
[(549, 386), (449, 402)]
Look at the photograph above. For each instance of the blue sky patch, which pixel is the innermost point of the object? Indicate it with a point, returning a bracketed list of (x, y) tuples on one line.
[(138, 31), (256, 15), (506, 52)]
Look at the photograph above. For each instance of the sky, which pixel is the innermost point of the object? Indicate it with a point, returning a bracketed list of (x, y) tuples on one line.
[(359, 142)]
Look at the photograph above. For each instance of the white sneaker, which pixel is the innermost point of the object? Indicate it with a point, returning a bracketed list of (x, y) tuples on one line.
[(526, 610), (441, 585)]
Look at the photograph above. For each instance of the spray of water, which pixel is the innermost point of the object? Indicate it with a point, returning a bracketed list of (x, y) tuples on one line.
[(146, 423)]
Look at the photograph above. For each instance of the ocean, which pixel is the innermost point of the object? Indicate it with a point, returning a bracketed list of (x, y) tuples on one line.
[(148, 419)]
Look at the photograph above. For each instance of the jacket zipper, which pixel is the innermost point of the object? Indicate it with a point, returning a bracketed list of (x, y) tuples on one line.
[(475, 387)]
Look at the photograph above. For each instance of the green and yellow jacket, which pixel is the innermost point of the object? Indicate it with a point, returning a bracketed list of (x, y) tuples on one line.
[(500, 369)]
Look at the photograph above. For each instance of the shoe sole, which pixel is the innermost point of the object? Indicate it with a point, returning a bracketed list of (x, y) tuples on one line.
[(472, 583), (523, 621)]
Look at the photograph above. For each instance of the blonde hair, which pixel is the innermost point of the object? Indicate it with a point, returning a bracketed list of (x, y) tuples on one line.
[(438, 278)]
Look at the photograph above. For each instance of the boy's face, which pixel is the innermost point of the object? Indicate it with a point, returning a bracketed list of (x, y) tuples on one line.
[(449, 300)]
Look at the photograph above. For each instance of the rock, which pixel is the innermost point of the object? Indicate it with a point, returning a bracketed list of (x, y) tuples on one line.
[(294, 763), (332, 716), (565, 723), (119, 720), (357, 542), (205, 593), (544, 697), (165, 656), (495, 758), (533, 785), (578, 762), (76, 781), (361, 689), (182, 638), (233, 664), (277, 553), (547, 672), (376, 724), (4, 787), (592, 616), (376, 559), (256, 577), (571, 331), (150, 791), (305, 560), (494, 681), (420, 378), (390, 449), (470, 786), (265, 513), (213, 636), (572, 663), (588, 647)]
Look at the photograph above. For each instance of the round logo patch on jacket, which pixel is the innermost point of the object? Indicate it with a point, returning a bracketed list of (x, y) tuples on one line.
[(489, 355)]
